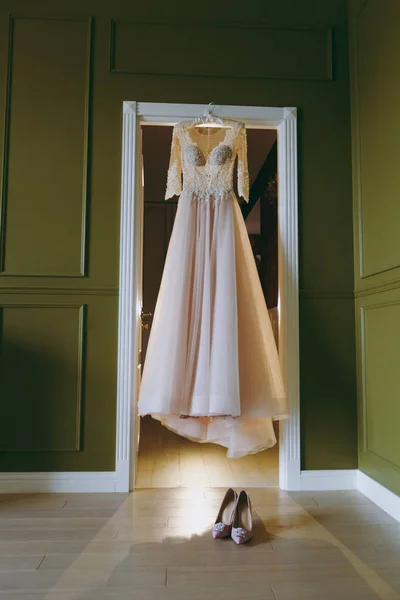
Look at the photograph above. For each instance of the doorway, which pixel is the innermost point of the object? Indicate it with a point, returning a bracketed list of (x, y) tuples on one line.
[(283, 122), (166, 459)]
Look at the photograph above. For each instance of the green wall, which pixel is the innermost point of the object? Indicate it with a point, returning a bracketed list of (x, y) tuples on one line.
[(70, 65), (375, 84)]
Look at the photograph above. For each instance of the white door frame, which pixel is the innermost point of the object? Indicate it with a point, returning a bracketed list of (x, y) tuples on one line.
[(284, 120)]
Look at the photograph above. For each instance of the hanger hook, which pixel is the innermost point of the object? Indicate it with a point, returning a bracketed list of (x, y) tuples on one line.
[(209, 109)]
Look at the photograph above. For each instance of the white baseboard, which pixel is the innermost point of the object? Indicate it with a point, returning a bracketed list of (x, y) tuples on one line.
[(352, 480), (381, 496), (96, 481), (322, 481), (118, 481), (65, 482)]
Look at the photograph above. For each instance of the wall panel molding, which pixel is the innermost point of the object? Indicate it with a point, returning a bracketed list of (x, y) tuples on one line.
[(16, 143), (375, 372), (60, 291), (375, 95), (372, 50), (378, 288), (299, 53), (46, 360), (6, 141)]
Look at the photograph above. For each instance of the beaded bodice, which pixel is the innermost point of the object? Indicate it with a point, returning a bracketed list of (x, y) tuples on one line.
[(205, 158)]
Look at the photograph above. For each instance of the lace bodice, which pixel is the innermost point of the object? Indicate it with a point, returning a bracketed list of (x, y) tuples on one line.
[(206, 158)]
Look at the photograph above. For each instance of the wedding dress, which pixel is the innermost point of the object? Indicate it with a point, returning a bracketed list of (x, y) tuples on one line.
[(212, 371)]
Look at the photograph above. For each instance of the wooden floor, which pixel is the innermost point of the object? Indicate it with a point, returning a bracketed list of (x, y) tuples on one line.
[(168, 460), (156, 545)]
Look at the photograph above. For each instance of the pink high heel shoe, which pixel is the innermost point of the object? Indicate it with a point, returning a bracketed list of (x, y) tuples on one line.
[(223, 524), (242, 526)]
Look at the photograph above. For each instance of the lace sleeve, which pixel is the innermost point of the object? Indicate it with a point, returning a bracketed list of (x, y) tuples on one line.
[(174, 178), (243, 172)]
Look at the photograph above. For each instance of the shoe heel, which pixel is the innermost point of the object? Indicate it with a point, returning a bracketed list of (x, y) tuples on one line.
[(223, 523), (242, 526)]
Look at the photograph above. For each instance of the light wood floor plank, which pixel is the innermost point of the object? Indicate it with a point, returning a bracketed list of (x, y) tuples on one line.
[(155, 544), (167, 460)]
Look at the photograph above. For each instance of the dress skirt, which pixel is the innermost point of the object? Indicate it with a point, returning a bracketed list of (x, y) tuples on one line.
[(212, 370)]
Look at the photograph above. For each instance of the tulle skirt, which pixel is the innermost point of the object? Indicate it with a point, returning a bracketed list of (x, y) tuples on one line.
[(212, 370)]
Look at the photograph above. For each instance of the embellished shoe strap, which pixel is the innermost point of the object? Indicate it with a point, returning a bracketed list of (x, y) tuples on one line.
[(219, 527), (240, 532)]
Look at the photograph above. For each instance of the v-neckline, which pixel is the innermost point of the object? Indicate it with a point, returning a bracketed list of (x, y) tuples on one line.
[(192, 141)]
